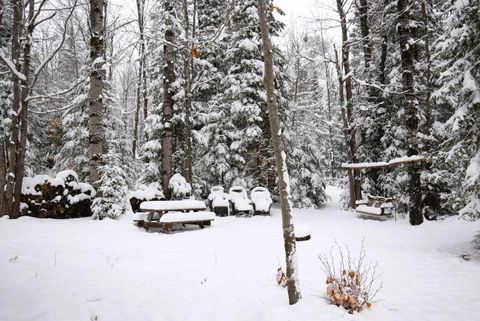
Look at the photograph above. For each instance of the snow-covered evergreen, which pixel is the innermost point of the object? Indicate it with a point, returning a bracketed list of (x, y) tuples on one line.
[(457, 158), (111, 198)]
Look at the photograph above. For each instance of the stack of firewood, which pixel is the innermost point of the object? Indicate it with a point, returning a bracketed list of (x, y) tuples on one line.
[(59, 197)]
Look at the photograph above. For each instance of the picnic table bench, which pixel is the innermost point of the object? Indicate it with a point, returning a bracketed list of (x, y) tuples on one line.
[(378, 206), (164, 214)]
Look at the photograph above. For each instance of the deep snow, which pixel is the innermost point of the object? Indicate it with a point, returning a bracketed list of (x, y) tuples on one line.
[(80, 269)]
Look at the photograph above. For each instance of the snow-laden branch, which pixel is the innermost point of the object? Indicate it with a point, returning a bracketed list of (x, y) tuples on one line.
[(11, 66), (54, 52), (57, 94), (34, 18)]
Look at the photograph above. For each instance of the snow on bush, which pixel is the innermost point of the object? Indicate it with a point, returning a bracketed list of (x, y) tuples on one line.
[(113, 189), (351, 282), (179, 187)]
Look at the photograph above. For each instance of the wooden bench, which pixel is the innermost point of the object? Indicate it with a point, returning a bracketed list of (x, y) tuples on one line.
[(378, 206), (165, 214)]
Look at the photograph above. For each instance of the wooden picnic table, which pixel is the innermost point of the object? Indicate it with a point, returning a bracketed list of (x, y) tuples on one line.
[(164, 214)]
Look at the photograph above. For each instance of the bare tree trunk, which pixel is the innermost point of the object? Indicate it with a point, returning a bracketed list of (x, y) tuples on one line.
[(97, 76), (428, 103), (280, 159), (3, 173), (169, 78), (6, 21), (137, 112), (329, 115), (365, 31), (350, 129), (141, 90), (16, 105), (188, 69), (25, 90), (411, 108), (350, 173), (143, 58)]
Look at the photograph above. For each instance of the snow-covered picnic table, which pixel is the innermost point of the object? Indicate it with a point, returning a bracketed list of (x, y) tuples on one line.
[(164, 214)]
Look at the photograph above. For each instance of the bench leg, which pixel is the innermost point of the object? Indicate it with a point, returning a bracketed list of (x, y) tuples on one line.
[(166, 228)]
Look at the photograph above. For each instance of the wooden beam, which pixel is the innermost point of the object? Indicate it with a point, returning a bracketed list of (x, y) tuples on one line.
[(392, 163)]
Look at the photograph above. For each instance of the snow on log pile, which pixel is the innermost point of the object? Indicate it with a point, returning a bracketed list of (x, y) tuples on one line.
[(59, 197)]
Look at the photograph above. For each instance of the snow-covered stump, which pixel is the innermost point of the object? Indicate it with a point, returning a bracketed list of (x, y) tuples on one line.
[(302, 233)]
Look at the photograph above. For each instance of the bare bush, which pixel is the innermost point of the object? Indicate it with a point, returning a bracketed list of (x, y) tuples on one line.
[(351, 282)]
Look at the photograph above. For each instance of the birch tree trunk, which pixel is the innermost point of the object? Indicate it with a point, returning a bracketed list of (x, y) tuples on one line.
[(411, 109), (280, 160), (23, 115), (167, 106), (16, 104), (97, 76)]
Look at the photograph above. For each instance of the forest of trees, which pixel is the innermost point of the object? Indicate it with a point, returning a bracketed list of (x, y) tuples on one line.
[(127, 101)]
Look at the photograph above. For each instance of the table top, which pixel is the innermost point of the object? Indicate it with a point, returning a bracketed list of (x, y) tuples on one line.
[(180, 205)]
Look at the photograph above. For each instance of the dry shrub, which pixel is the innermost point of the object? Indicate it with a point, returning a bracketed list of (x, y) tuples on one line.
[(351, 282)]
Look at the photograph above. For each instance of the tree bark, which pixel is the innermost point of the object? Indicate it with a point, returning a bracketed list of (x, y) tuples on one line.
[(23, 115), (3, 173), (141, 82), (16, 104), (428, 98), (348, 119), (167, 106), (97, 76), (188, 69), (329, 115), (405, 36), (280, 160), (365, 31), (6, 15)]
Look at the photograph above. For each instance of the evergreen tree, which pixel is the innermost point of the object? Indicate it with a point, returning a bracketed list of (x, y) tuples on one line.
[(307, 144), (113, 188), (457, 160), (245, 124), (74, 152)]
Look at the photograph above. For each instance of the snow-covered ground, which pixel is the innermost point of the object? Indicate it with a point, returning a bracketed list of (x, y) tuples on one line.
[(80, 269)]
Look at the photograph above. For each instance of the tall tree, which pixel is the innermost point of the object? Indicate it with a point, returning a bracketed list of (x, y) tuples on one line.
[(406, 40), (142, 100), (168, 100), (457, 158), (6, 24), (354, 186), (280, 160), (97, 76)]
